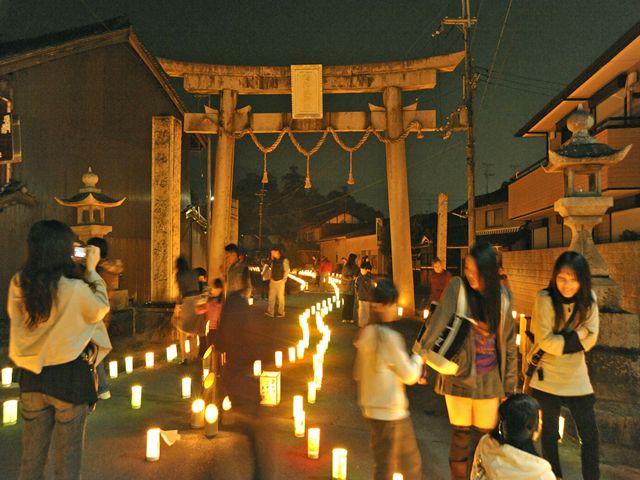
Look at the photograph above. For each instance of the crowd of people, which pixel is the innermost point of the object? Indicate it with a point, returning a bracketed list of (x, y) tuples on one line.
[(58, 338)]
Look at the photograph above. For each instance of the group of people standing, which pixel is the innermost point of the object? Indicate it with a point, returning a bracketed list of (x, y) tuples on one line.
[(470, 340)]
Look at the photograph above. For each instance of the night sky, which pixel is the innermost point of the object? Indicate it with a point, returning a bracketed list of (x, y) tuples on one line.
[(543, 46)]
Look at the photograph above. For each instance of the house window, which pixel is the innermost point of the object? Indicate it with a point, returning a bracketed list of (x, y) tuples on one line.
[(494, 218)]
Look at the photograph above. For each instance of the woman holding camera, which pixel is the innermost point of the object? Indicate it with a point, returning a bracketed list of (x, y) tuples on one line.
[(487, 357), (56, 338), (565, 323)]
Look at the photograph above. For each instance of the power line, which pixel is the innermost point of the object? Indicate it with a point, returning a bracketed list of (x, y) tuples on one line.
[(510, 74), (485, 77), (510, 87)]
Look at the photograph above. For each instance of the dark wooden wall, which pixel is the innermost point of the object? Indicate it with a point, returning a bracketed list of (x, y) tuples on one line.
[(90, 109)]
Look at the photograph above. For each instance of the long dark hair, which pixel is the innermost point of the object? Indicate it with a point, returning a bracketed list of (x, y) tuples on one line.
[(583, 299), (50, 247), (519, 418), (485, 305), (352, 261)]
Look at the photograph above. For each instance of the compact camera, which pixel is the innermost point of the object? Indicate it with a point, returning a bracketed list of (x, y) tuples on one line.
[(80, 252)]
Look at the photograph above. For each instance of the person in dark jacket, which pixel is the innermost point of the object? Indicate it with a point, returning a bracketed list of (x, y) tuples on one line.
[(277, 283), (365, 286), (349, 273)]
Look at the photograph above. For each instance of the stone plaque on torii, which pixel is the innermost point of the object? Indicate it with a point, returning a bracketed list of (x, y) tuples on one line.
[(389, 78)]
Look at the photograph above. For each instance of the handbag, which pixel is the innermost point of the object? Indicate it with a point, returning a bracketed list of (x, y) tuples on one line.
[(442, 357)]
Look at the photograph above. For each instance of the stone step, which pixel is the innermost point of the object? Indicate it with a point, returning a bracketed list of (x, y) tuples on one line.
[(619, 427)]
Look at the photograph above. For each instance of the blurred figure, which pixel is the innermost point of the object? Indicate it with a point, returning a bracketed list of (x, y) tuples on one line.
[(349, 273), (188, 317), (382, 369), (438, 281), (56, 338), (508, 452), (364, 287), (324, 269), (265, 274)]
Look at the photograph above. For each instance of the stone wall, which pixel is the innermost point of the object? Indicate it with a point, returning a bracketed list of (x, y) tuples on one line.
[(530, 270)]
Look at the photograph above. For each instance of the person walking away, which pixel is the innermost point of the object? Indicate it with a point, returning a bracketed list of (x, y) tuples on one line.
[(188, 319), (324, 270), (382, 369), (565, 324), (508, 452), (265, 275), (279, 273), (487, 358), (364, 287), (349, 273), (56, 337), (438, 282), (110, 271)]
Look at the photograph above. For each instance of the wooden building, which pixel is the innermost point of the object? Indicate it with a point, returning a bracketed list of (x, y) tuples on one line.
[(91, 97)]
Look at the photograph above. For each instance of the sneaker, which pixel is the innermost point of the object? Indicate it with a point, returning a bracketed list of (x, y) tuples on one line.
[(268, 314), (106, 395)]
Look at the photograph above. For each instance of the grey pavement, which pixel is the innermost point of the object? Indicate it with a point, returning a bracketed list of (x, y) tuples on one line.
[(115, 443)]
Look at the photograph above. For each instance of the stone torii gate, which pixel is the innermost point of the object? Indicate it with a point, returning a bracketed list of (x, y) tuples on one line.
[(390, 79)]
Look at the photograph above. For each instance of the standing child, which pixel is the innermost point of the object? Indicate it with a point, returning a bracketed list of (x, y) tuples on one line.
[(382, 370), (365, 287)]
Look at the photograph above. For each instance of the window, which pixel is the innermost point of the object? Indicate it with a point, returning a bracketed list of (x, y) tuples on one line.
[(494, 218)]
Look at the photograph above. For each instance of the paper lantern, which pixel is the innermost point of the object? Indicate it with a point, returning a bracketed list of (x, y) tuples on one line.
[(313, 443), (172, 352), (313, 309), (292, 354), (518, 339), (425, 313), (514, 314), (311, 392), (205, 374), (187, 346), (317, 375), (278, 359), (128, 364), (257, 368), (561, 427), (298, 404), (153, 444), (250, 300), (149, 359), (210, 421), (113, 369), (339, 464), (186, 387), (209, 387), (228, 417), (270, 388), (198, 338), (136, 397), (300, 350), (7, 376), (9, 412), (299, 424), (197, 413), (397, 476), (400, 311)]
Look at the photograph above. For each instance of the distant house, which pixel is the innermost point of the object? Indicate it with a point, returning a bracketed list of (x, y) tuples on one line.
[(87, 98), (363, 240), (331, 225)]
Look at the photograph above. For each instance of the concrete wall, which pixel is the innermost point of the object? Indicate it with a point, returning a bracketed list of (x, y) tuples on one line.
[(530, 270)]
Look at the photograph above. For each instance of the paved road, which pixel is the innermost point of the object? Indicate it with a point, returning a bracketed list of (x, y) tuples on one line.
[(115, 445)]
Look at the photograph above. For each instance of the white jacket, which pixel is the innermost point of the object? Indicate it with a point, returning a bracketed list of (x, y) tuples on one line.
[(494, 461), (382, 369), (75, 319)]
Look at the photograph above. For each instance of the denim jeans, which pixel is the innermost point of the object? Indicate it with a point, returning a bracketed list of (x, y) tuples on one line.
[(581, 409), (45, 419), (395, 449), (103, 383)]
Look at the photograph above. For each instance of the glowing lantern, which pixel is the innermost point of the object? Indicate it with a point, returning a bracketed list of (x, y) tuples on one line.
[(339, 464), (298, 404), (313, 443), (149, 359), (425, 313), (397, 476), (292, 354), (227, 415), (278, 359), (208, 385), (206, 358), (9, 412), (113, 369), (514, 314), (210, 421), (7, 376), (250, 301), (128, 364), (257, 368), (311, 392), (518, 339), (400, 311), (172, 352), (270, 388), (313, 309), (136, 397), (299, 424), (187, 346), (300, 350), (561, 427), (205, 374), (186, 387), (317, 375), (153, 444), (197, 413)]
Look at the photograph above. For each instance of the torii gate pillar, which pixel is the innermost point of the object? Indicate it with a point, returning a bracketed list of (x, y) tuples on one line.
[(398, 193), (223, 186)]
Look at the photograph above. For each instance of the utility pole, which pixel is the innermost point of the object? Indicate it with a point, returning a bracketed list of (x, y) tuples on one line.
[(465, 22), (260, 195), (487, 174)]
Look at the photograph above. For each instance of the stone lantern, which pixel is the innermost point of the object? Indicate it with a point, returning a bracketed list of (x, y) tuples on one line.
[(90, 204), (583, 209)]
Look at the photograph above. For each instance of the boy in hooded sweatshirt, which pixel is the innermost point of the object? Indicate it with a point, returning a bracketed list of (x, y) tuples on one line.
[(508, 452), (382, 370)]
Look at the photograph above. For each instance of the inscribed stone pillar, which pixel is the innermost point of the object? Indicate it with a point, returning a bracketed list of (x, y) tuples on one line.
[(166, 152), (441, 247), (398, 200), (223, 186)]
